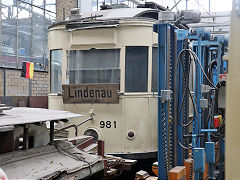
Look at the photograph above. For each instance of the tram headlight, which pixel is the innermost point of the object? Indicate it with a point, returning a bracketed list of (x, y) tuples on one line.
[(131, 134), (93, 133)]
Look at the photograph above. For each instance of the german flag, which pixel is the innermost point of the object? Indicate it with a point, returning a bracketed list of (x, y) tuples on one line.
[(27, 70)]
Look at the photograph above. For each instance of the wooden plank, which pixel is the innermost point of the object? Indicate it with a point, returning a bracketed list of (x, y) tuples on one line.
[(46, 161), (130, 161), (90, 93), (111, 172), (152, 178), (25, 137), (51, 132), (177, 173)]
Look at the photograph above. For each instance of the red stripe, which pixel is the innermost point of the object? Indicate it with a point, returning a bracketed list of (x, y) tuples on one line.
[(27, 70)]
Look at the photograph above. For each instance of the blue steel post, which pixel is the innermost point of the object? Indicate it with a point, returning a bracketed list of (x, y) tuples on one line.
[(163, 31), (181, 37), (203, 118), (197, 93), (173, 37), (162, 123), (180, 116), (197, 96)]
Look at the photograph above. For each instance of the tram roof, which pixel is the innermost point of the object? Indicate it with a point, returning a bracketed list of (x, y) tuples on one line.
[(111, 15), (120, 13)]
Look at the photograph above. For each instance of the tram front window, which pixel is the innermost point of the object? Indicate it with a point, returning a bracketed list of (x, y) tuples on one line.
[(56, 71), (94, 66), (136, 69)]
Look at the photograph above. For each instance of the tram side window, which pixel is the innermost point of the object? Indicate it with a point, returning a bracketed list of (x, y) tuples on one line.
[(154, 69), (136, 69), (56, 71), (94, 66)]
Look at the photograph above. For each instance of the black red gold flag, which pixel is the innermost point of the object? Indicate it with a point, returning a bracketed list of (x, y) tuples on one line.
[(27, 70)]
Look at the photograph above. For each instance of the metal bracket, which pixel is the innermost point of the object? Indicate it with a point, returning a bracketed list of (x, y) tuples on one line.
[(204, 103), (166, 95), (205, 88)]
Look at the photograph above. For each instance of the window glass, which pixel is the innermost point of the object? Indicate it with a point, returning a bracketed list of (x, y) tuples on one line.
[(50, 5), (154, 69), (136, 69), (38, 35), (24, 32), (9, 33), (94, 66), (56, 71)]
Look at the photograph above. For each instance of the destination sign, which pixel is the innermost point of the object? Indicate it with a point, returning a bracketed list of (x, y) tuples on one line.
[(90, 93)]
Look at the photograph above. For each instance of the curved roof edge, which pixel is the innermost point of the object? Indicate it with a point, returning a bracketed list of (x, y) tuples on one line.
[(109, 15)]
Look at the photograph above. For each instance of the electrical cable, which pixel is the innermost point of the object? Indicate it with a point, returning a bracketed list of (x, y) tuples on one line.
[(184, 94), (186, 148), (196, 58), (187, 90), (197, 1), (204, 73)]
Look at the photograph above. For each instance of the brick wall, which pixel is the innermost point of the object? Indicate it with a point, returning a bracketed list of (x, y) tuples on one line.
[(63, 8), (40, 84), (15, 84), (19, 86)]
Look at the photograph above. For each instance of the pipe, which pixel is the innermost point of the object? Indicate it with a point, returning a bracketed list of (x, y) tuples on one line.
[(216, 16), (175, 5), (75, 126), (67, 127), (211, 25)]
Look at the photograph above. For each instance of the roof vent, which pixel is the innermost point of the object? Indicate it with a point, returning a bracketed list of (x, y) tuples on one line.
[(166, 16), (75, 13), (113, 6), (152, 5)]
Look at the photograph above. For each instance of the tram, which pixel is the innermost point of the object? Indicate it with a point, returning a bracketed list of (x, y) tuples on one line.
[(114, 46)]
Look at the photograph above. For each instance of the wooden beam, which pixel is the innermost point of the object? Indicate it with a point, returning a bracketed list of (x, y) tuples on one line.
[(51, 132), (25, 137)]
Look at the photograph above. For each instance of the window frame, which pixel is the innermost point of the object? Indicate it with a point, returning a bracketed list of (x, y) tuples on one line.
[(50, 70), (155, 90), (111, 48), (147, 70)]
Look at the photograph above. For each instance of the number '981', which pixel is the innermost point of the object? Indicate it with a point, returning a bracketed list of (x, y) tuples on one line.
[(108, 124)]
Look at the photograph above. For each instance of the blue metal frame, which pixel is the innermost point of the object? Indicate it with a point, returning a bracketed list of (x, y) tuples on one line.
[(164, 31), (201, 42), (181, 38), (173, 42), (200, 46), (162, 48)]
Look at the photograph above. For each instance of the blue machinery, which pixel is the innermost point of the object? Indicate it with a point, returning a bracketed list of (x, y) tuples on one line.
[(175, 129)]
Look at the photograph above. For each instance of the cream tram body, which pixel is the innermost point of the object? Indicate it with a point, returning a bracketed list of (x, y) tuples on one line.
[(124, 53)]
